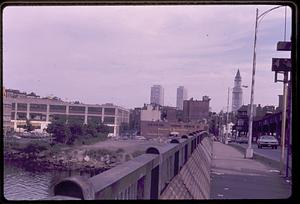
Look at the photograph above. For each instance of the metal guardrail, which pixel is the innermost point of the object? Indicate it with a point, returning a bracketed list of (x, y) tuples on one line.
[(144, 177)]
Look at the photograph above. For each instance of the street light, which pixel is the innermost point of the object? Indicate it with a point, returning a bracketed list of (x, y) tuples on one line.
[(249, 150), (227, 128)]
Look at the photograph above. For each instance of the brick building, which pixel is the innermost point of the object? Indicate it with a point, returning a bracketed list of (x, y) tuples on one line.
[(196, 110)]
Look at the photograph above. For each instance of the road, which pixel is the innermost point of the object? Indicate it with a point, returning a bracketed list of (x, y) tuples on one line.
[(269, 153)]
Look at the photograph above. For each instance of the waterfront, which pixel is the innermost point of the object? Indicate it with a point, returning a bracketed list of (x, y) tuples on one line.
[(22, 184)]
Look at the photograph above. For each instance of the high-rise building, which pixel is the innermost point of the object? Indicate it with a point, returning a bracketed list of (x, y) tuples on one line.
[(157, 95), (237, 92), (181, 96)]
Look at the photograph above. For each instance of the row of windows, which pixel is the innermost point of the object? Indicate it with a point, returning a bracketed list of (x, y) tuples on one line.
[(43, 117), (155, 124), (62, 109)]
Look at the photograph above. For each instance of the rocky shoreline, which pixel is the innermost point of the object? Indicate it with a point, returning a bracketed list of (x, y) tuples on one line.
[(42, 162)]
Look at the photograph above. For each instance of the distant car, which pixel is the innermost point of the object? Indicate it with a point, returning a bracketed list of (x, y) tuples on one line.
[(140, 137), (242, 140), (267, 141), (110, 135), (16, 136), (174, 134), (229, 140)]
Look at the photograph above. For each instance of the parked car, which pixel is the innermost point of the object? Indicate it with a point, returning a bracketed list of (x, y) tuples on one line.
[(229, 139), (140, 137), (174, 134), (267, 141), (16, 136), (242, 140), (110, 135)]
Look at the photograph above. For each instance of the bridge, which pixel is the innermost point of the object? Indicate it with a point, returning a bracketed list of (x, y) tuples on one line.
[(177, 170)]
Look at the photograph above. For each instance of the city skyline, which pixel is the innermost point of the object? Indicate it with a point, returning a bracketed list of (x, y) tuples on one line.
[(88, 54)]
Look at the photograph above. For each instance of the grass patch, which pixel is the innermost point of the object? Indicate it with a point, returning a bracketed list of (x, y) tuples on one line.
[(89, 139)]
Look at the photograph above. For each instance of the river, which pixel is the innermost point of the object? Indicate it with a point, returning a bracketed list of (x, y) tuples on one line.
[(22, 184)]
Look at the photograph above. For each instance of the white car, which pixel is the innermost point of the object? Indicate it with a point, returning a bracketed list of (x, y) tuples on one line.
[(16, 136), (140, 137), (110, 135), (267, 141)]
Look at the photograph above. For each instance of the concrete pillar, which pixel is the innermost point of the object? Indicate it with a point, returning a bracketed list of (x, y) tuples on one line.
[(15, 121), (85, 115), (47, 113), (102, 116), (27, 112), (67, 109)]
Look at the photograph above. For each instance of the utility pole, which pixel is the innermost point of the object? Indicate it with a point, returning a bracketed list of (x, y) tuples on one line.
[(249, 150), (227, 128), (282, 66)]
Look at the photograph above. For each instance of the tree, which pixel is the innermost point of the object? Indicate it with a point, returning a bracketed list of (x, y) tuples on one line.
[(101, 128), (28, 126), (58, 129), (124, 127)]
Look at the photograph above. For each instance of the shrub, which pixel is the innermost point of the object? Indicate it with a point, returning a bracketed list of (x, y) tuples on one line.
[(120, 150)]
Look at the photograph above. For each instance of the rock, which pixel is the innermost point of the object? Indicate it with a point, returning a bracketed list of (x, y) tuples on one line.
[(86, 158)]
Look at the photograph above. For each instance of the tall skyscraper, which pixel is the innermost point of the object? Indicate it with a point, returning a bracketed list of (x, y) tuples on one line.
[(157, 95), (237, 92), (181, 96)]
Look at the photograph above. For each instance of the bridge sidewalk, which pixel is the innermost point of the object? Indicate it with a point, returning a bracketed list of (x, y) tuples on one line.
[(234, 177)]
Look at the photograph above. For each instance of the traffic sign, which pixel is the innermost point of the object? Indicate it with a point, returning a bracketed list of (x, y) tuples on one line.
[(281, 64), (284, 46)]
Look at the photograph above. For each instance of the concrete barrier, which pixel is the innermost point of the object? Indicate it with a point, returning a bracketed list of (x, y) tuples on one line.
[(149, 175), (193, 180)]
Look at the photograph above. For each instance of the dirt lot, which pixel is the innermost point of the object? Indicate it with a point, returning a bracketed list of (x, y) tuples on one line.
[(129, 146), (126, 149)]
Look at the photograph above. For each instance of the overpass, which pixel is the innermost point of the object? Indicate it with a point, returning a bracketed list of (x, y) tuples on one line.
[(177, 170)]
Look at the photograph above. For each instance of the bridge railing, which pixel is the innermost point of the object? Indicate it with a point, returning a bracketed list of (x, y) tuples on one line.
[(143, 177)]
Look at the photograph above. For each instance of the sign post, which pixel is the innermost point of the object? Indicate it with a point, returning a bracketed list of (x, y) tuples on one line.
[(283, 66)]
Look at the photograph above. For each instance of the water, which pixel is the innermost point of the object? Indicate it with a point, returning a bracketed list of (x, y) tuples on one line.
[(21, 184)]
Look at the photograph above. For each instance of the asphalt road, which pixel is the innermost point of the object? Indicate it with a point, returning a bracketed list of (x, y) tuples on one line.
[(268, 152)]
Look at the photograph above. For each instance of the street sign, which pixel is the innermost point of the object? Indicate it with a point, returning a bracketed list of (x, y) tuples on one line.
[(284, 46), (281, 64)]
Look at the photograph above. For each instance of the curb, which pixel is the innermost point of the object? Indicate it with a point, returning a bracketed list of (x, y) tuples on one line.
[(271, 162)]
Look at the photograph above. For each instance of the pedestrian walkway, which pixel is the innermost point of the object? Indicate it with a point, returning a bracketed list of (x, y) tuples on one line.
[(234, 177)]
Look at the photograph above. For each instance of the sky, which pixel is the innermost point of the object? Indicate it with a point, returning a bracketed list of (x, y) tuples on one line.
[(114, 54)]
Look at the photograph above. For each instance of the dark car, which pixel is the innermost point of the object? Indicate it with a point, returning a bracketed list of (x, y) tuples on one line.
[(267, 141)]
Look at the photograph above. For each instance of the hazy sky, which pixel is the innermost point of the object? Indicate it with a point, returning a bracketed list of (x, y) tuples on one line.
[(101, 54)]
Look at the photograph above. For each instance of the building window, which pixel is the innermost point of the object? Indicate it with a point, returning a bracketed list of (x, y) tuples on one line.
[(109, 111), (37, 116), (94, 110), (21, 116), (58, 108), (76, 109), (58, 116), (22, 107), (38, 107), (13, 115), (109, 120), (13, 106), (94, 119)]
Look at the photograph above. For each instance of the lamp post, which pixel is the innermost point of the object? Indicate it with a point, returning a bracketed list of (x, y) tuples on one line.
[(227, 128), (249, 150)]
